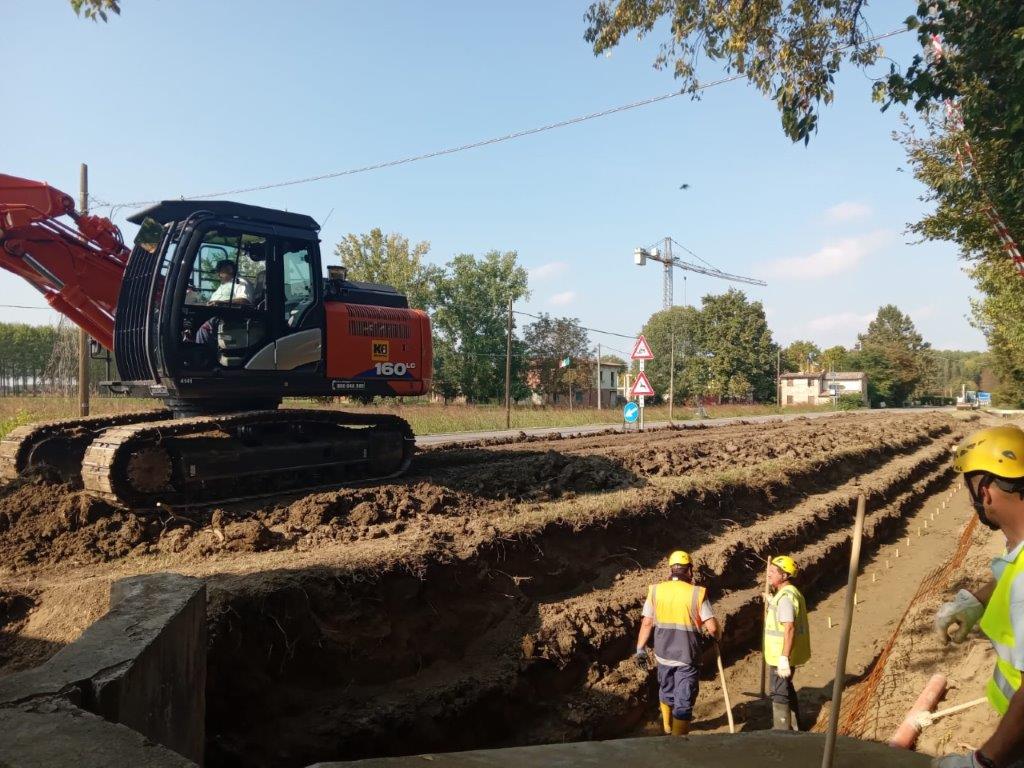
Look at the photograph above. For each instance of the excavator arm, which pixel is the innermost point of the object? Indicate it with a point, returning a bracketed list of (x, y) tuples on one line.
[(77, 267)]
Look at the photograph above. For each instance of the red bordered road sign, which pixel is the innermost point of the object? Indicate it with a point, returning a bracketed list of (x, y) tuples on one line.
[(641, 387), (641, 350)]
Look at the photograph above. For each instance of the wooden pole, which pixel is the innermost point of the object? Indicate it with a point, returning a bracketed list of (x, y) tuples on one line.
[(508, 368), (764, 621), (725, 689), (671, 376), (83, 337), (839, 681), (599, 377)]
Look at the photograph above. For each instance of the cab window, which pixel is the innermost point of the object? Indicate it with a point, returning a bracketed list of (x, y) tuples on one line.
[(230, 270), (298, 282)]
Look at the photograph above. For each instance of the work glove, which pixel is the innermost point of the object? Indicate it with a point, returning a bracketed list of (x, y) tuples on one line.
[(964, 611), (641, 658), (969, 760), (784, 670)]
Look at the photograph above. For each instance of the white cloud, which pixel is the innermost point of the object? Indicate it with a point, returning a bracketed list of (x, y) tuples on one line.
[(923, 312), (831, 259), (563, 298), (841, 321), (849, 210), (549, 270)]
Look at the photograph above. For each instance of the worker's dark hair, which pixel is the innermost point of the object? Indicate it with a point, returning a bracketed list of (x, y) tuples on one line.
[(226, 264), (684, 572)]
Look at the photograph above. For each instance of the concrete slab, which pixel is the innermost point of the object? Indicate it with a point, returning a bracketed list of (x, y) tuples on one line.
[(143, 664), (52, 740), (758, 749)]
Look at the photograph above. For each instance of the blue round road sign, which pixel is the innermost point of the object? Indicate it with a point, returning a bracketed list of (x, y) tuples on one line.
[(630, 412)]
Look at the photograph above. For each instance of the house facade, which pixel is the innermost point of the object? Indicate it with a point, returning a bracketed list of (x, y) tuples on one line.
[(820, 387)]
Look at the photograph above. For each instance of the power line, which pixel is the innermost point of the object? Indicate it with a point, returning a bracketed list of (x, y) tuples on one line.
[(582, 327), (476, 144)]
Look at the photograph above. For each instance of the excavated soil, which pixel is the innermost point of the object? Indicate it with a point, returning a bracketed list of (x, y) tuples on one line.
[(492, 596)]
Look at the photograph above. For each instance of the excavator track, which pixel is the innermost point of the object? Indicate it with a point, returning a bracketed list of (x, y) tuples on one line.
[(58, 446), (238, 456)]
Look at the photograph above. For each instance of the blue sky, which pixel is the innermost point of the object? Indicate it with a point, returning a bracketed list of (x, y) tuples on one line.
[(185, 97)]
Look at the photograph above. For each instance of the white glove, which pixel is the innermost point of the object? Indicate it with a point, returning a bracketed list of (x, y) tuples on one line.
[(956, 761), (964, 611), (784, 669)]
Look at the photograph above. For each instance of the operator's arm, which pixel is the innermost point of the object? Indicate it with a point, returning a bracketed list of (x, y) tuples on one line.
[(1006, 745), (789, 633), (983, 593), (714, 628), (645, 632)]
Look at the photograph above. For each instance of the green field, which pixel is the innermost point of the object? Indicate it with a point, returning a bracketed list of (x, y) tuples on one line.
[(425, 418)]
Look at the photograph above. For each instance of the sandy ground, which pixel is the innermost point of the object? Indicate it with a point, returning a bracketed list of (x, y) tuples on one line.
[(492, 597)]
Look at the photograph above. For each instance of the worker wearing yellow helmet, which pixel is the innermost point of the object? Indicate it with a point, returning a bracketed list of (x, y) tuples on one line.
[(676, 611), (992, 463), (787, 641)]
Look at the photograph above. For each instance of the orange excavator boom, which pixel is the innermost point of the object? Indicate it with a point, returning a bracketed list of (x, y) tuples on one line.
[(78, 267)]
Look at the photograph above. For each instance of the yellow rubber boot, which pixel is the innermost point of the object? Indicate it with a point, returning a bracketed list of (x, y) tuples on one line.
[(666, 717), (680, 727)]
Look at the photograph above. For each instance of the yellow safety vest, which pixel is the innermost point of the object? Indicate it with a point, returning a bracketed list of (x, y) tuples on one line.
[(775, 634), (676, 620), (997, 625)]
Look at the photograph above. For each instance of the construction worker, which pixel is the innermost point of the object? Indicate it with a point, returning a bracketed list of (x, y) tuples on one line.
[(992, 463), (787, 641), (676, 611)]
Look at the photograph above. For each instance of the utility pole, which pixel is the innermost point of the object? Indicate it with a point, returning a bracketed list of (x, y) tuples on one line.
[(778, 377), (83, 337), (508, 368), (671, 376), (599, 376)]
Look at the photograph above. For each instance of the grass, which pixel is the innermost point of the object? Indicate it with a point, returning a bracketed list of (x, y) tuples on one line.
[(425, 418)]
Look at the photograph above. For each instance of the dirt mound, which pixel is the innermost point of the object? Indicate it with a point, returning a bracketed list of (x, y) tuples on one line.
[(45, 523)]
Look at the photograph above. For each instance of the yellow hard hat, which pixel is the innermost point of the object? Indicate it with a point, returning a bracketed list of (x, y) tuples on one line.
[(996, 450), (786, 564), (679, 557)]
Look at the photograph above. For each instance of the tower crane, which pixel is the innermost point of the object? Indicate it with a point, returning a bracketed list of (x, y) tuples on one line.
[(670, 262)]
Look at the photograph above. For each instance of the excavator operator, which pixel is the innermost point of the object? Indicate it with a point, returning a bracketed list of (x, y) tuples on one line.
[(233, 290)]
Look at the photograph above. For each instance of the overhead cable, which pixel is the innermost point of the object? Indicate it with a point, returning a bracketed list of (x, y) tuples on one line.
[(476, 144)]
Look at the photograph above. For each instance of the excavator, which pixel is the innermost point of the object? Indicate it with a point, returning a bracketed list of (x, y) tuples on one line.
[(219, 310)]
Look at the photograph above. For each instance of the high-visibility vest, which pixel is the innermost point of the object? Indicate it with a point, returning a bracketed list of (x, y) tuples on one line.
[(997, 625), (676, 620), (775, 633)]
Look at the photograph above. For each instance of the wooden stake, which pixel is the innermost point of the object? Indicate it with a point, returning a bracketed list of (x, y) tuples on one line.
[(872, 577), (764, 665), (725, 690), (828, 757)]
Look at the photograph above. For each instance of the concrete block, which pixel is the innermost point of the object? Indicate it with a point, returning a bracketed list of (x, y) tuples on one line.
[(755, 749), (143, 664), (79, 739)]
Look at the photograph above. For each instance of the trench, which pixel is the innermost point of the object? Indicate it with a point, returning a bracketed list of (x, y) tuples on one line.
[(525, 638)]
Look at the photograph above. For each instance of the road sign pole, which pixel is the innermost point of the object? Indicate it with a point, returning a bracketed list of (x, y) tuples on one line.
[(642, 400)]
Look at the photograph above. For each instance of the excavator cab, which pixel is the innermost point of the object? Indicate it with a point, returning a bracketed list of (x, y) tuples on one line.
[(224, 303)]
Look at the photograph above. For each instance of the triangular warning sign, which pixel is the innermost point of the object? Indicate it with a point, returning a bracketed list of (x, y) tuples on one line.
[(641, 387), (641, 350)]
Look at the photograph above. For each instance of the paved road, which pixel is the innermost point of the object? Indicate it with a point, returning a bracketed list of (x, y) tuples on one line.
[(470, 437)]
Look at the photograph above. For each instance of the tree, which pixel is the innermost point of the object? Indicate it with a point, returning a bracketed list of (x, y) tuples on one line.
[(374, 257), (834, 358), (800, 356), (893, 355), (549, 341), (681, 326), (471, 298), (724, 349), (788, 50), (737, 341), (96, 9)]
